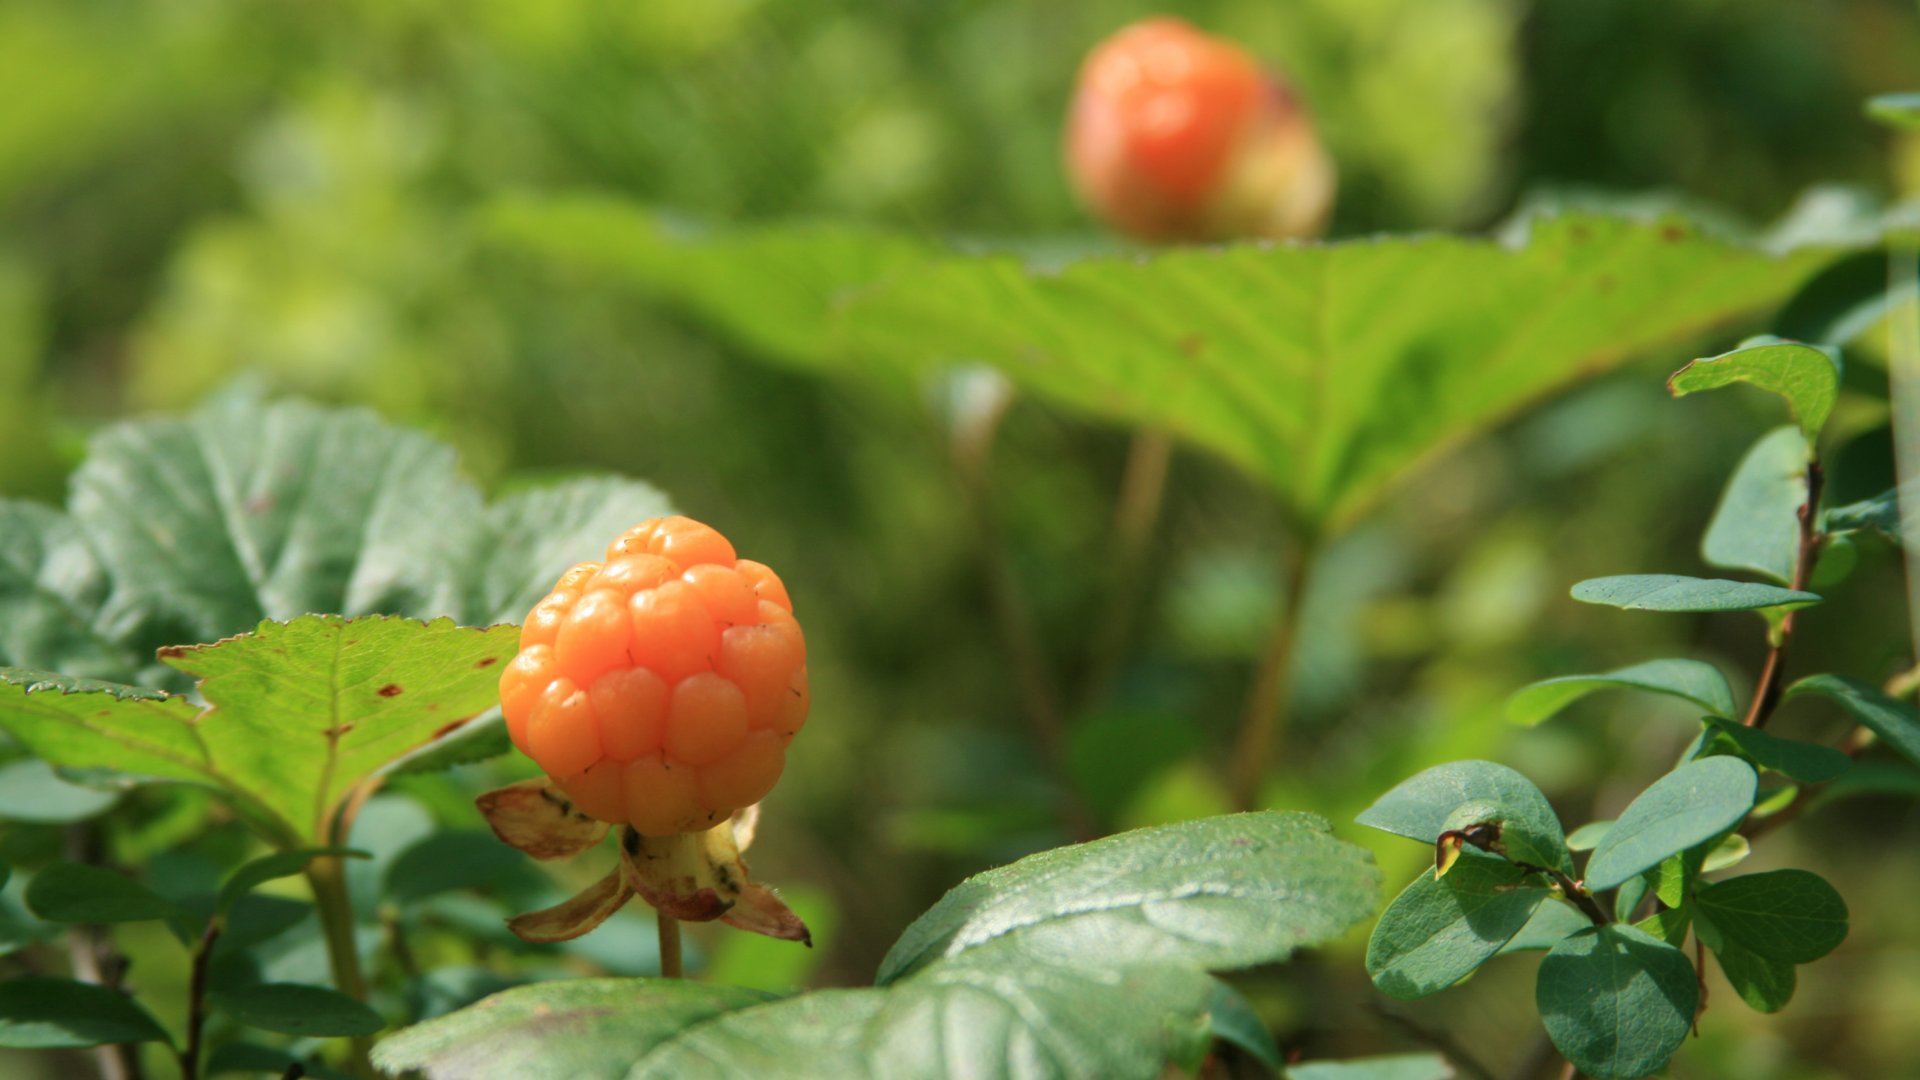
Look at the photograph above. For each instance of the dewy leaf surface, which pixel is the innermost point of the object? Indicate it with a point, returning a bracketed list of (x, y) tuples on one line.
[(1672, 592), (84, 723), (1806, 376), (1616, 1001), (533, 537), (304, 710), (1893, 720), (1436, 933), (572, 1029), (1684, 808), (1790, 916), (1755, 526), (1328, 370), (1698, 682), (1221, 892)]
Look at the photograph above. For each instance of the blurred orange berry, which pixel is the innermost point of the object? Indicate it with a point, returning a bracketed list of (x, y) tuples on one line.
[(1178, 135), (661, 689)]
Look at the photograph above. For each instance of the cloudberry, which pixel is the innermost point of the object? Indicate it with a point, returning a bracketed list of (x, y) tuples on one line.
[(1177, 135), (661, 687)]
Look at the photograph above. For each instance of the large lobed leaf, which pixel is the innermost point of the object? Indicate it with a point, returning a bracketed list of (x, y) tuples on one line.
[(297, 712), (1328, 370), (193, 529), (1086, 961)]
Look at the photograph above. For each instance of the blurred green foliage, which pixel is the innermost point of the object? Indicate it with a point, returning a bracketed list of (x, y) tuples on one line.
[(193, 189)]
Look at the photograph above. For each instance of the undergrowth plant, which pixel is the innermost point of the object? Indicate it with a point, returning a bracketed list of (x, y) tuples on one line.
[(1619, 987)]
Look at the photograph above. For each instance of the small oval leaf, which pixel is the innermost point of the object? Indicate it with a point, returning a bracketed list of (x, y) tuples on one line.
[(1698, 682), (75, 893), (41, 1013), (1688, 806), (1616, 1001), (1792, 916), (299, 1009), (1436, 932), (1672, 592)]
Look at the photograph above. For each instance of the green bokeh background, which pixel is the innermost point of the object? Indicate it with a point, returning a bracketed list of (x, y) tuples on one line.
[(191, 190)]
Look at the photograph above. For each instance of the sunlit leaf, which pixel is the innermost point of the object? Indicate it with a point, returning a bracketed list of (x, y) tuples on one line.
[(1692, 680), (1328, 370), (1807, 376), (575, 1029), (1671, 592), (1896, 110), (1271, 882), (1684, 808), (1419, 806), (1756, 526)]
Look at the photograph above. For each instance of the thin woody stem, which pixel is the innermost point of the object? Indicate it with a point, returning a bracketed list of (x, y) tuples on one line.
[(1766, 696), (197, 1002), (1263, 730)]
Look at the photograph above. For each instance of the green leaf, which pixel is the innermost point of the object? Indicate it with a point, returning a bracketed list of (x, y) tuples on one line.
[(1809, 762), (1673, 879), (1384, 1067), (239, 1057), (1881, 512), (1900, 111), (1692, 680), (1669, 926), (1526, 835), (481, 739), (77, 893), (1247, 889), (299, 712), (1757, 526), (1732, 850), (255, 918), (299, 1009), (1233, 1020), (1792, 916), (30, 791), (454, 859), (1588, 836), (1765, 985), (51, 586), (532, 537), (1616, 1001), (1671, 592), (1632, 891), (1688, 806), (1873, 778), (826, 1033), (1895, 721), (45, 1014), (1419, 806), (1331, 371), (574, 1029), (1551, 921), (1436, 933), (1806, 375), (266, 868)]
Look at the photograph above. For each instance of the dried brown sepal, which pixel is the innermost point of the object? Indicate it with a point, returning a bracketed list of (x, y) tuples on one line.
[(577, 916), (700, 877), (538, 818)]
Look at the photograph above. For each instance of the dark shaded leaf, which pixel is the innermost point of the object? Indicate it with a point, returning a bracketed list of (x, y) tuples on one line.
[(1791, 916), (1895, 721), (1233, 1020), (1812, 763), (1436, 933), (1765, 985), (76, 893), (455, 859), (268, 867), (1616, 1001), (299, 1009), (42, 1014)]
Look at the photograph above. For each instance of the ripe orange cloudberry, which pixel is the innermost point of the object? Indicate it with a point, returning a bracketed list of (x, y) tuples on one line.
[(1177, 135), (660, 688)]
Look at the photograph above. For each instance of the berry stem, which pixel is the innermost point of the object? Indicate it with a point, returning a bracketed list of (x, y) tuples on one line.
[(670, 963), (1263, 731)]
